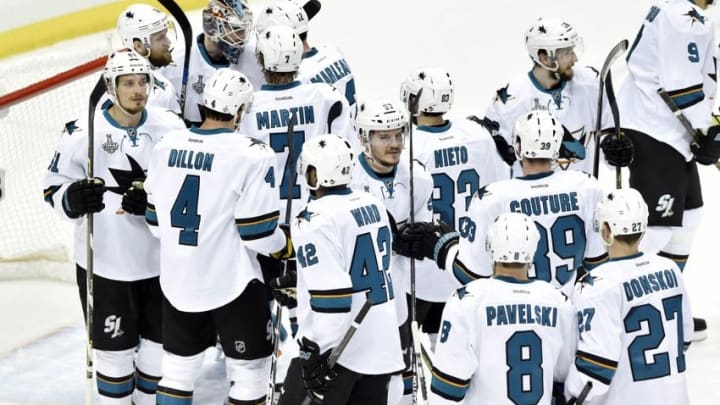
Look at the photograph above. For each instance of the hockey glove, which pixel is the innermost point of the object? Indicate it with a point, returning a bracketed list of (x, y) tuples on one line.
[(316, 372), (618, 149), (288, 250), (134, 200), (284, 289), (83, 197), (429, 240), (506, 151), (706, 148)]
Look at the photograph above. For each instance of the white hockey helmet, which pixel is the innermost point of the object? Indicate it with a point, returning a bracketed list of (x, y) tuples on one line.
[(283, 12), (380, 115), (281, 49), (125, 62), (551, 34), (512, 238), (140, 21), (229, 24), (227, 90), (438, 90), (537, 135), (625, 212), (333, 160)]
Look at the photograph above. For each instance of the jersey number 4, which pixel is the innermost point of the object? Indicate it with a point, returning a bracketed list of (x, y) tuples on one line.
[(366, 273), (184, 212)]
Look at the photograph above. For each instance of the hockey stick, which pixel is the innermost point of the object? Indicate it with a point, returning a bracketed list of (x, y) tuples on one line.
[(95, 97), (425, 355), (681, 117), (584, 393), (418, 374), (270, 398), (616, 52), (179, 16), (616, 120), (337, 351)]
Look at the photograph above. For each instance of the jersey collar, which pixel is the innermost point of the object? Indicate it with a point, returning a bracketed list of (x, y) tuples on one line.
[(275, 87), (309, 54), (201, 46), (536, 176), (618, 259), (512, 280), (438, 128), (111, 120), (338, 191), (215, 131)]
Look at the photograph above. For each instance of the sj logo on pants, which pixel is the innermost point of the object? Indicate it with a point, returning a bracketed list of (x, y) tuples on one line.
[(112, 325)]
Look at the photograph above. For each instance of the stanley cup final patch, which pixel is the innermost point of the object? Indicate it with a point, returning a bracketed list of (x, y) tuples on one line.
[(110, 146)]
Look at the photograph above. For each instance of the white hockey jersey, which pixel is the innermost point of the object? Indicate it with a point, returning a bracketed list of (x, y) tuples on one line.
[(124, 248), (343, 245), (163, 95), (675, 51), (634, 321), (319, 110), (503, 341), (394, 191), (328, 65), (574, 103), (461, 156), (562, 204), (202, 68), (212, 202)]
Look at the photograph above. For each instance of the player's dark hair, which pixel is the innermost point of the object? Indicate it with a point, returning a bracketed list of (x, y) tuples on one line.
[(275, 78)]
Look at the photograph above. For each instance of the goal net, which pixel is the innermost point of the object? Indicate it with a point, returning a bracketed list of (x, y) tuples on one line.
[(39, 93)]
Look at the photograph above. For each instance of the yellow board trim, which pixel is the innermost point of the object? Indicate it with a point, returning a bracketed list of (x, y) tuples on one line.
[(81, 23)]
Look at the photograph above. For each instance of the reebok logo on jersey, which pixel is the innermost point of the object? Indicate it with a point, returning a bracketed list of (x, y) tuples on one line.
[(112, 325)]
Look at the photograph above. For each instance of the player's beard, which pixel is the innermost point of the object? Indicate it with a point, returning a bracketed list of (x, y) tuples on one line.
[(160, 59), (133, 107), (566, 74)]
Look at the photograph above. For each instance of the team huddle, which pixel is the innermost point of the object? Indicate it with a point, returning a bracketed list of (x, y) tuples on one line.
[(398, 240)]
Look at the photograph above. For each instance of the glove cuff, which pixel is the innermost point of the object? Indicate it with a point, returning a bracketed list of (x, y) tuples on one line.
[(443, 245)]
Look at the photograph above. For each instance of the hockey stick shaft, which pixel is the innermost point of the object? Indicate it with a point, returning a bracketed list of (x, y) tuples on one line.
[(584, 393), (340, 348), (270, 398), (179, 16), (616, 52), (418, 379), (680, 116), (616, 120), (94, 99)]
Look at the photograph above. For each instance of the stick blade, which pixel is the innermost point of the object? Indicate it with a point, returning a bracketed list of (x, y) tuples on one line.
[(617, 51)]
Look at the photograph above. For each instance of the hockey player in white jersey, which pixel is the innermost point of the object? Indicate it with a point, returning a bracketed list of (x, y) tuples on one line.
[(343, 241), (460, 155), (322, 64), (570, 93), (317, 107), (560, 202), (633, 316), (227, 40), (507, 339), (675, 51), (127, 298), (382, 170), (145, 30), (212, 190)]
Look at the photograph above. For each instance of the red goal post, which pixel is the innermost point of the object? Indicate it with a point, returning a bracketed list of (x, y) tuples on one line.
[(39, 93)]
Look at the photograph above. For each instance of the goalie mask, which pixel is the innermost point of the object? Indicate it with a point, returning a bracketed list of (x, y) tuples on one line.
[(332, 158), (125, 62), (283, 12), (438, 91), (512, 238), (537, 135), (228, 23), (281, 49), (550, 35), (625, 212), (140, 21), (227, 90)]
